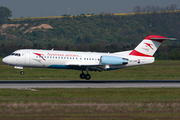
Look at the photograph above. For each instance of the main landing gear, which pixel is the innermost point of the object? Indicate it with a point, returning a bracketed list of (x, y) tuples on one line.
[(85, 76)]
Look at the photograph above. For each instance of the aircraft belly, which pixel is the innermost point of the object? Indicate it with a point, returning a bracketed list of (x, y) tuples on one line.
[(66, 67)]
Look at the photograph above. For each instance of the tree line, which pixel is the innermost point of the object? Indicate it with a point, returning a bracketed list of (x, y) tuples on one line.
[(137, 9)]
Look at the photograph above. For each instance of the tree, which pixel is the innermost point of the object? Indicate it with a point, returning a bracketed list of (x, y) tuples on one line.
[(78, 40), (174, 54), (137, 9), (5, 13), (88, 39)]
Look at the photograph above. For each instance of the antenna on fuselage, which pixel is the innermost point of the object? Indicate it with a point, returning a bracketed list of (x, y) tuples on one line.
[(52, 49)]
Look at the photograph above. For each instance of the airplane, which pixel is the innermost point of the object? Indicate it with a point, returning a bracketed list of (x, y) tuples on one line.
[(86, 61)]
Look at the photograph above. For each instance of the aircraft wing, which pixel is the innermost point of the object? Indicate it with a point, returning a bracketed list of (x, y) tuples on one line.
[(90, 66), (93, 67)]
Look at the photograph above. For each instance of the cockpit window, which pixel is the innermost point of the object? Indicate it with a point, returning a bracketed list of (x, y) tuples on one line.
[(16, 54), (12, 53)]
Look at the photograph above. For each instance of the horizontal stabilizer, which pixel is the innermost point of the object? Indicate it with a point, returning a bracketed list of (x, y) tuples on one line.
[(172, 39), (163, 38)]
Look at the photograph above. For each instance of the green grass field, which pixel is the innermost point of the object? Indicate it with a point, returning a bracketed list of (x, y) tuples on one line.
[(160, 70), (90, 103)]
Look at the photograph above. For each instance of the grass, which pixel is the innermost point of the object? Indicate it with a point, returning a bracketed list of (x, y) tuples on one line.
[(91, 95), (90, 103), (160, 70)]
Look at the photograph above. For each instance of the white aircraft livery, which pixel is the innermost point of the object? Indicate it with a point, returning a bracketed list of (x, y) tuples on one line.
[(86, 61)]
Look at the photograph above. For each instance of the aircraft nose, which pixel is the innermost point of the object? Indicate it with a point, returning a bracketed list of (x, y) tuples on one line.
[(5, 60)]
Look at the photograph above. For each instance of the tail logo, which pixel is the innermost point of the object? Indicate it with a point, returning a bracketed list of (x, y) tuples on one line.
[(150, 45)]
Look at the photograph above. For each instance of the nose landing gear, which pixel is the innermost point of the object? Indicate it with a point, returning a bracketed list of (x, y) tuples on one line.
[(21, 68), (22, 72)]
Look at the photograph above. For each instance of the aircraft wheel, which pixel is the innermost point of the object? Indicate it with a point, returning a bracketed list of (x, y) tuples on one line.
[(82, 75), (22, 72), (87, 77)]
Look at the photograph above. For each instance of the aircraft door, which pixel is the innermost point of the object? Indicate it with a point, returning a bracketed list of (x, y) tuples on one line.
[(20, 58), (80, 58), (27, 57)]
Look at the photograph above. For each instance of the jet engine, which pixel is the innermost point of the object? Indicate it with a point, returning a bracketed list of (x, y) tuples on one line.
[(113, 60)]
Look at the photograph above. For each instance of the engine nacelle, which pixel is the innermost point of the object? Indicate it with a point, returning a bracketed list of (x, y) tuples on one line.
[(112, 60)]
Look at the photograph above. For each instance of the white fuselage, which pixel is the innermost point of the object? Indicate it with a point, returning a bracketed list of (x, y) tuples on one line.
[(70, 59)]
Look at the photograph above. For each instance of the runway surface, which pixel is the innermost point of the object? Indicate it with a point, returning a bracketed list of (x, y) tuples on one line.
[(90, 84)]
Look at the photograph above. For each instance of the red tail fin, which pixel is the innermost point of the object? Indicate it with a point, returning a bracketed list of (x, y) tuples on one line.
[(148, 46)]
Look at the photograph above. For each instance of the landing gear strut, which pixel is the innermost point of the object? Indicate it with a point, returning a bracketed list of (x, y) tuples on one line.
[(85, 76)]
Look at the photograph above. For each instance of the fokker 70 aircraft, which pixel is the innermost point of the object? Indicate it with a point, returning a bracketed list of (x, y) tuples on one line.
[(86, 61)]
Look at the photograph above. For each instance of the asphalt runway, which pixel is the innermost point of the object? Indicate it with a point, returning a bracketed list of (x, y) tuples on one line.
[(90, 84)]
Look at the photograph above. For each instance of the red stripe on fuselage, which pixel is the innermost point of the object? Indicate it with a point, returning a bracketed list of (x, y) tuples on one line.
[(39, 55), (136, 53)]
